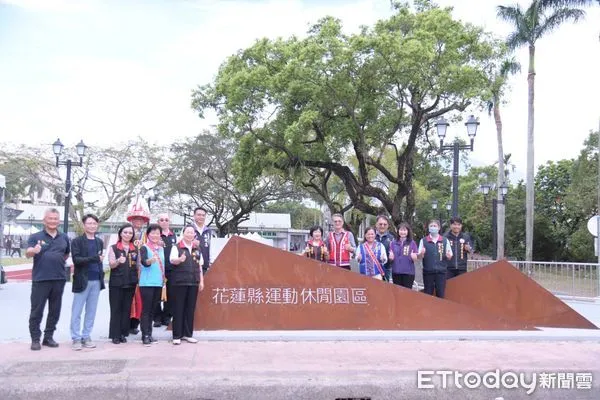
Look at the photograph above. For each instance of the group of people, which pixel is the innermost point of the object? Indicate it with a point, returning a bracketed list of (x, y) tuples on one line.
[(154, 278), (12, 246), (386, 256)]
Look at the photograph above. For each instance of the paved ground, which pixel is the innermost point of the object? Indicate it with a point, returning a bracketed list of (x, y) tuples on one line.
[(282, 365)]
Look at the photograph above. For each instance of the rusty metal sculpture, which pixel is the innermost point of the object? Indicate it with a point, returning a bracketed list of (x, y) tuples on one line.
[(501, 289), (256, 287)]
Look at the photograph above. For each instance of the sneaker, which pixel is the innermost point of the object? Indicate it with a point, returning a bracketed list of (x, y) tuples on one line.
[(176, 341), (146, 341), (88, 344), (156, 324), (76, 345), (35, 345), (190, 339), (134, 331)]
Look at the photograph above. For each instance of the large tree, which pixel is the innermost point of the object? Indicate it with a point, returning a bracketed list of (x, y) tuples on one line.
[(201, 175), (530, 25), (302, 107), (107, 181)]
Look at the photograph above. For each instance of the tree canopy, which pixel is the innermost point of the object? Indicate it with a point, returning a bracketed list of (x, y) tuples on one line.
[(310, 106)]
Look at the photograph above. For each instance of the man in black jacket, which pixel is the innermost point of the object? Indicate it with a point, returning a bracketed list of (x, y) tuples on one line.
[(203, 236), (462, 246), (88, 281)]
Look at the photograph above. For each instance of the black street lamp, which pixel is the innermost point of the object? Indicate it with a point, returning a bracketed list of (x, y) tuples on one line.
[(485, 188), (434, 207), (57, 148), (441, 126), (31, 218), (448, 209)]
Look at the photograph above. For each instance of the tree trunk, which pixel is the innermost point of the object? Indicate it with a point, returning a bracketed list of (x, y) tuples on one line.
[(529, 195), (499, 181)]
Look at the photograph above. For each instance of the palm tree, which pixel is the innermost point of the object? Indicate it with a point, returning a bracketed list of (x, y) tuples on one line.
[(508, 67), (530, 25)]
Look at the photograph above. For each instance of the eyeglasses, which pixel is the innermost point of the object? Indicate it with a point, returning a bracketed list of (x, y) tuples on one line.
[(163, 219)]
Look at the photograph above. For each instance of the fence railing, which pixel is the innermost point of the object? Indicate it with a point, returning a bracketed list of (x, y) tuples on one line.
[(560, 278)]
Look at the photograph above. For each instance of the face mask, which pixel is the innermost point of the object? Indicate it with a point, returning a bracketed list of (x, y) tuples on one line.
[(434, 230)]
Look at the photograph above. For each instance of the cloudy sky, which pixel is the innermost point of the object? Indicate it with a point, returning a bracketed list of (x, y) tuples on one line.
[(103, 70)]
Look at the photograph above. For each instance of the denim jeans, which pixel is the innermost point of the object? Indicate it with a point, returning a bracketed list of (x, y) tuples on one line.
[(89, 299)]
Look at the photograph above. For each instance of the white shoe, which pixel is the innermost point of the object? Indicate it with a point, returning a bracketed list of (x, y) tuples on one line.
[(190, 339), (176, 341)]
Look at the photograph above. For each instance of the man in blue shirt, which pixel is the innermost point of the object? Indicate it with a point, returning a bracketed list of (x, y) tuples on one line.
[(385, 237), (88, 281), (49, 249)]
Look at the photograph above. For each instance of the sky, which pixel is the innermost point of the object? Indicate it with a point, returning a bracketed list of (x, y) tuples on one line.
[(104, 70)]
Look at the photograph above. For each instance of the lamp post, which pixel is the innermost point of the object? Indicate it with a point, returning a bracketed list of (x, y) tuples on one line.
[(485, 188), (448, 209), (434, 206), (2, 188), (31, 218), (441, 126), (57, 148)]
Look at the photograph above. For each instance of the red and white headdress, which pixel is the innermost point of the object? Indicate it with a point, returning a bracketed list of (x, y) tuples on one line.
[(138, 208)]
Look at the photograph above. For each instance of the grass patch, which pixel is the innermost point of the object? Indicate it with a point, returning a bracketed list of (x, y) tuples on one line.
[(7, 261)]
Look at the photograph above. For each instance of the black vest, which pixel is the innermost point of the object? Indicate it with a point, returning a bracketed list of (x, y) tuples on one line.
[(204, 239), (435, 256), (125, 274), (459, 253), (188, 272), (169, 241)]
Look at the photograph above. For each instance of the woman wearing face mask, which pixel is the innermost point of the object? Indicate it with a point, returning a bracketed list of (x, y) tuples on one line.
[(403, 254), (435, 250), (371, 256), (315, 247)]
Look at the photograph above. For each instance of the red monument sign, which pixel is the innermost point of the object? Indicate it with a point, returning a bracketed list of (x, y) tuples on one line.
[(501, 289), (256, 287)]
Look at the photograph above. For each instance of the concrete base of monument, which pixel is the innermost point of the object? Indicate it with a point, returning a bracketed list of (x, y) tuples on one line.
[(544, 334)]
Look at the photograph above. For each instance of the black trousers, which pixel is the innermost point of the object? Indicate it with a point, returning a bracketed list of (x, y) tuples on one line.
[(164, 313), (404, 280), (452, 272), (183, 300), (150, 298), (42, 292), (119, 299), (435, 280)]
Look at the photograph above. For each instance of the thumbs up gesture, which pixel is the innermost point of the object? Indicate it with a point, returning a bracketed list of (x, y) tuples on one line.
[(38, 247), (121, 259), (391, 256), (182, 258)]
